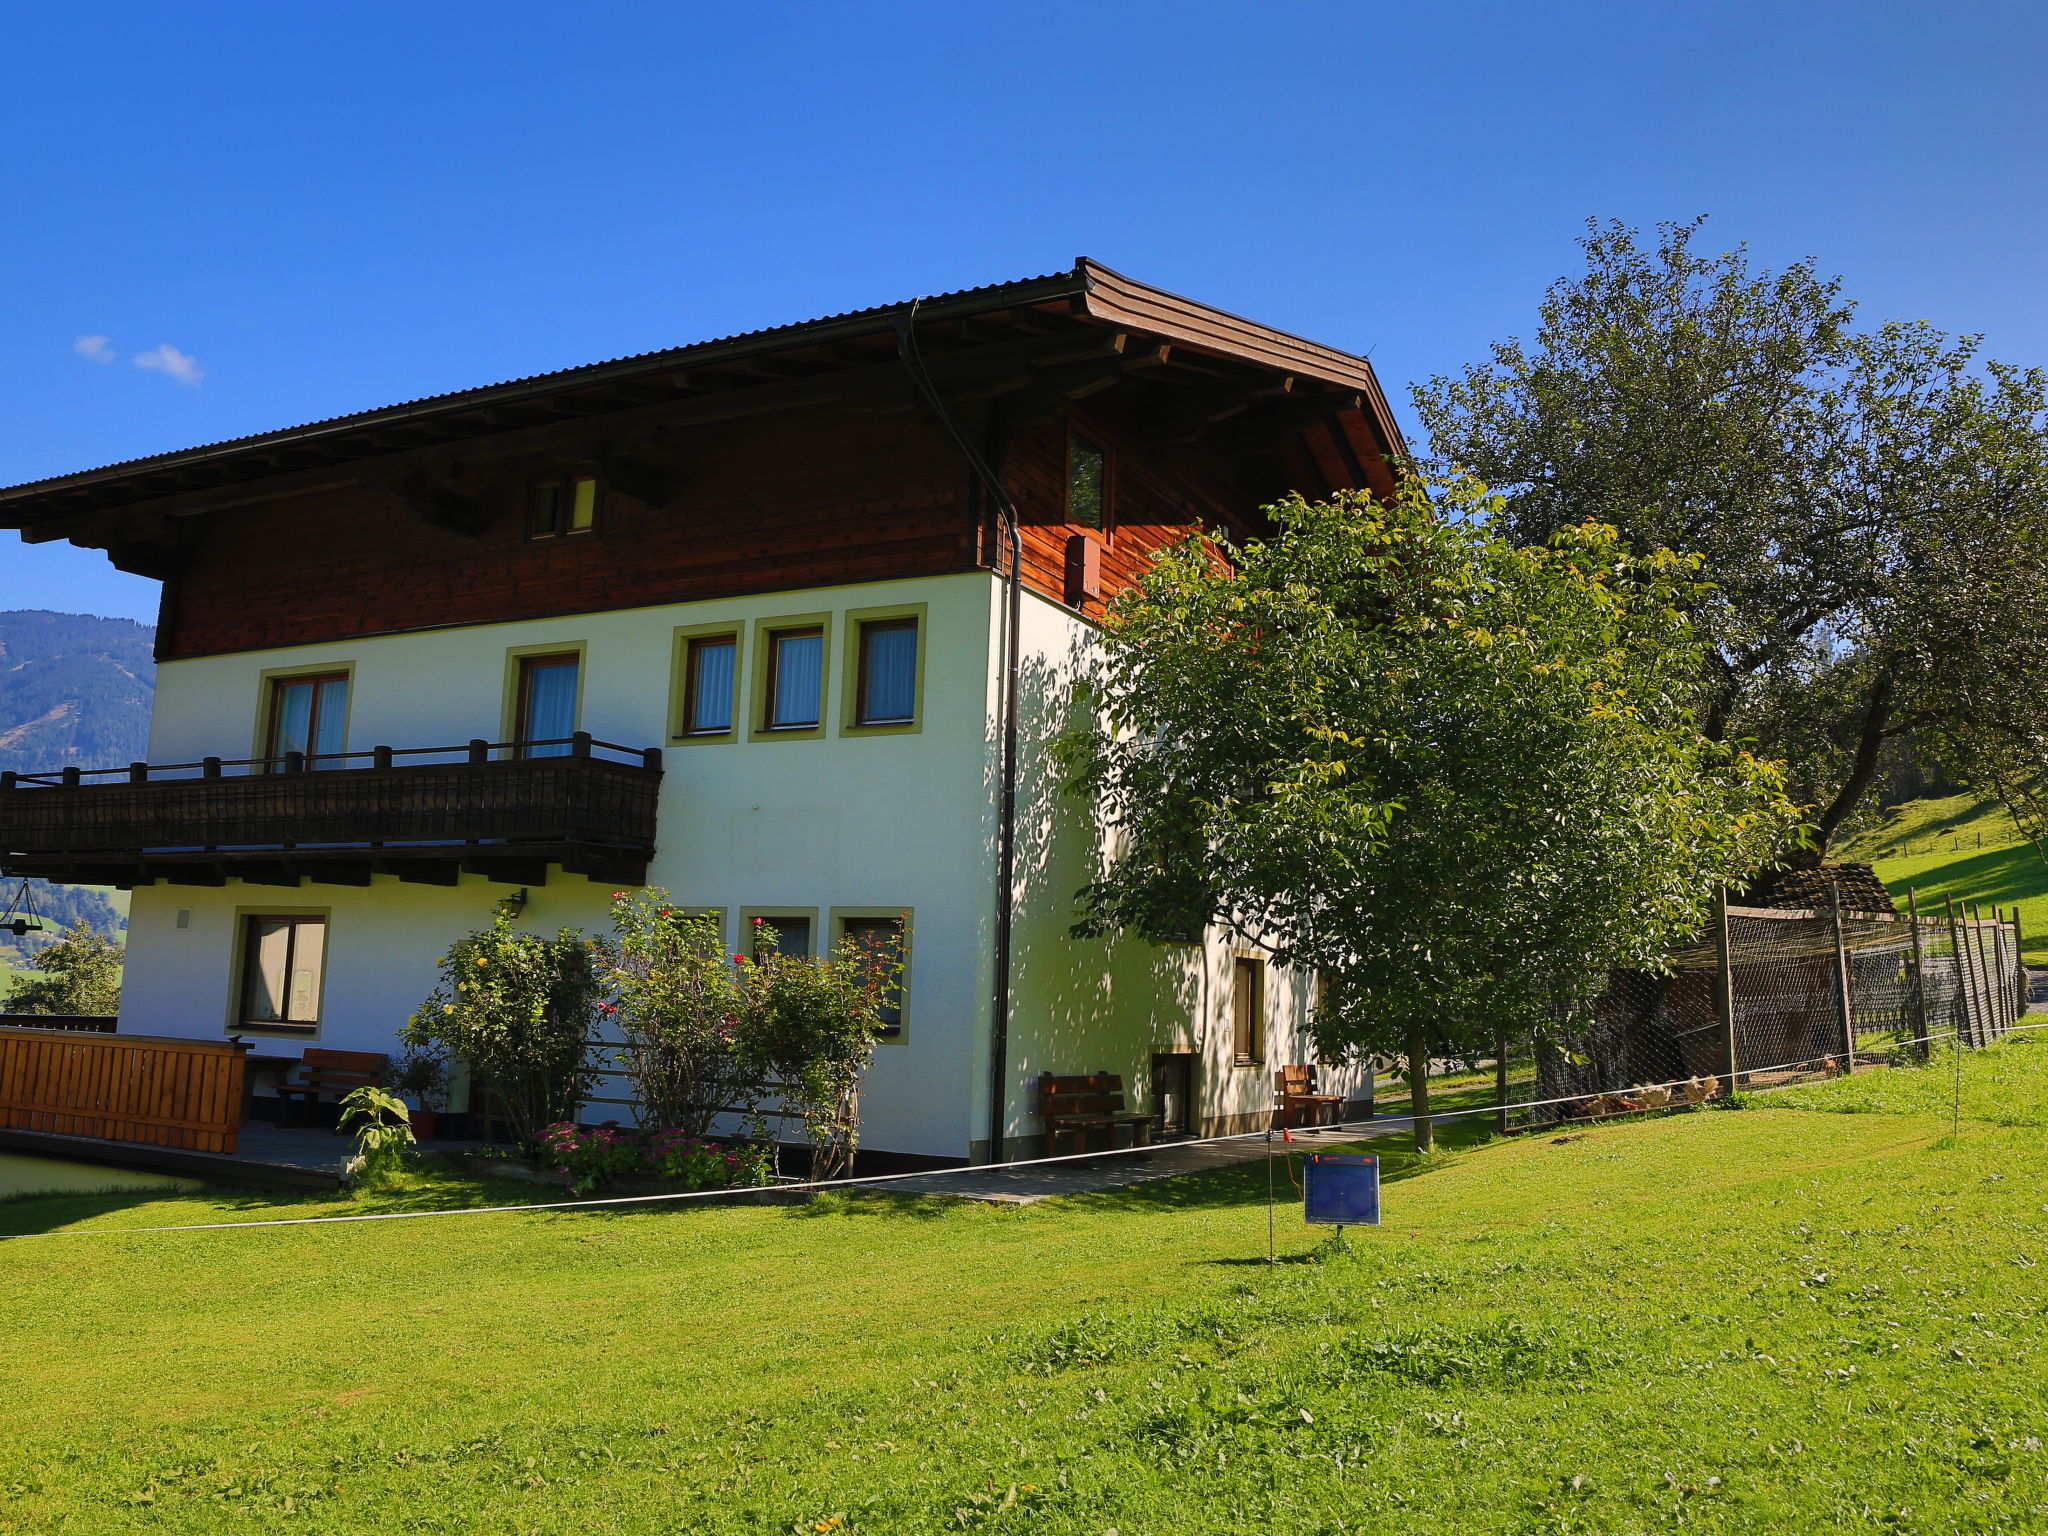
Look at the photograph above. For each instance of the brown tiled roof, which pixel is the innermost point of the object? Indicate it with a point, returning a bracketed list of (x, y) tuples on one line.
[(1856, 886)]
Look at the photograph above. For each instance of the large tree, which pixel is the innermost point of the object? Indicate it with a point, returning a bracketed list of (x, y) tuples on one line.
[(1871, 506), (1455, 778)]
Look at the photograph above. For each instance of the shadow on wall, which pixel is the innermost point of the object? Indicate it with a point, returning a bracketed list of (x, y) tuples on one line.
[(1080, 1005)]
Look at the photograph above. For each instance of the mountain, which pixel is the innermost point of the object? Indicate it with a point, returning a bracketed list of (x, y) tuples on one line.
[(74, 688)]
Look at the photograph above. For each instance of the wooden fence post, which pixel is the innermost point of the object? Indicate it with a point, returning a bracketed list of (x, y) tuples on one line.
[(1919, 1003), (1725, 990), (1844, 1004), (1955, 937)]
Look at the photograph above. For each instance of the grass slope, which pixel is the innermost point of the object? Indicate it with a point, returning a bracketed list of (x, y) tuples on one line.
[(2005, 871), (1779, 1319)]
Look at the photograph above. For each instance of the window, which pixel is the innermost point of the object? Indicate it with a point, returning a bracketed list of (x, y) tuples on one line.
[(1087, 482), (886, 934), (546, 710), (563, 507), (710, 671), (308, 715), (796, 679), (791, 934), (1248, 1011), (282, 962), (886, 690)]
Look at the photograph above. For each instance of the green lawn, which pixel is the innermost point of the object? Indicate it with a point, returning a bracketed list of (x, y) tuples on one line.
[(1821, 1315), (2005, 871)]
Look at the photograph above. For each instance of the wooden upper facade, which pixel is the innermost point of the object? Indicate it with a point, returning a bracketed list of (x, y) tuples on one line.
[(810, 455)]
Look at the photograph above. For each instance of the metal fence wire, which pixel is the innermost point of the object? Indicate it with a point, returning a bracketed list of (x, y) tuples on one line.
[(1771, 996)]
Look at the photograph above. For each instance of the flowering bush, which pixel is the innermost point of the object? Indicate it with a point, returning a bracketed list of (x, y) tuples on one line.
[(676, 1002), (594, 1156), (810, 1025)]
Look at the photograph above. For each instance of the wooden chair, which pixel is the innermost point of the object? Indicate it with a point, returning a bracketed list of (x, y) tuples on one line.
[(1294, 1094), (335, 1072), (1079, 1106)]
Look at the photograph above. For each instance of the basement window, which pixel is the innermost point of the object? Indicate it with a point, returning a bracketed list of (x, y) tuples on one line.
[(563, 508)]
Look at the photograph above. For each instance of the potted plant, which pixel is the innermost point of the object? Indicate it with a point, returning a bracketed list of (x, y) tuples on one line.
[(421, 1075)]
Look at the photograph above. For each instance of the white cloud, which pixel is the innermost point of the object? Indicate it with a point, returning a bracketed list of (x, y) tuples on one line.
[(181, 366), (93, 348)]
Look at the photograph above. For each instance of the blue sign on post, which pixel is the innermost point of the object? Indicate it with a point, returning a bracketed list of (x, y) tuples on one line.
[(1341, 1189)]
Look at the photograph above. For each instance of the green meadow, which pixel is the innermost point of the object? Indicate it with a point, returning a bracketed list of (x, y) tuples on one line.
[(1982, 859), (1821, 1313)]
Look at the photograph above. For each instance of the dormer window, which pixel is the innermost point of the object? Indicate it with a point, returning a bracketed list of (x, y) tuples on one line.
[(1087, 482), (563, 507)]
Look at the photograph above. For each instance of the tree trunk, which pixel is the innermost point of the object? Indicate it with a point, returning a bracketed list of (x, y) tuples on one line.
[(1877, 712), (1418, 1089)]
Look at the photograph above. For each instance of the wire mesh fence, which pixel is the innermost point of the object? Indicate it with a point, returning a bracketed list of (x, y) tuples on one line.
[(1771, 996)]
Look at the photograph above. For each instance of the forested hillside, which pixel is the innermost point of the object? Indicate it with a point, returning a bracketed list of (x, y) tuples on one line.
[(74, 688)]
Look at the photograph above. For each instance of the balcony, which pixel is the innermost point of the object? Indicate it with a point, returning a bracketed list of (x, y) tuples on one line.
[(505, 810)]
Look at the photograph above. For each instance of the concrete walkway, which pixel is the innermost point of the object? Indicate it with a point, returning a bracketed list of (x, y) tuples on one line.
[(1047, 1181)]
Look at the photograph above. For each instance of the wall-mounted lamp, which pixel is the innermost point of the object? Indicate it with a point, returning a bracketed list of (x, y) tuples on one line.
[(514, 904)]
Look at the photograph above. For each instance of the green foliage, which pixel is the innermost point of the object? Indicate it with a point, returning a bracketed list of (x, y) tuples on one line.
[(1458, 779), (678, 1001), (596, 1156), (1871, 506), (810, 1027), (79, 974), (518, 1008), (383, 1130)]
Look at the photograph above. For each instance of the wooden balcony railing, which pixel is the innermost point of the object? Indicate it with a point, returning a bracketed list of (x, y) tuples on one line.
[(503, 809)]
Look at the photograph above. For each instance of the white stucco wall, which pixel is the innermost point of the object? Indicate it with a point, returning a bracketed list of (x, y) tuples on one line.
[(896, 821)]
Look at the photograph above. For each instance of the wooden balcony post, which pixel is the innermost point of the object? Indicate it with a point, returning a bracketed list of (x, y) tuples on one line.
[(71, 775), (479, 750), (138, 773), (7, 778), (380, 757), (579, 744), (651, 758), (209, 767)]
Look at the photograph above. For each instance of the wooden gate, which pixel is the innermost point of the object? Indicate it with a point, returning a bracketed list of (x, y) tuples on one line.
[(149, 1088)]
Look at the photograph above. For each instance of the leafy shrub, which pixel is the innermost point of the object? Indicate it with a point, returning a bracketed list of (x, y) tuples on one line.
[(518, 1008), (678, 1001), (810, 1025)]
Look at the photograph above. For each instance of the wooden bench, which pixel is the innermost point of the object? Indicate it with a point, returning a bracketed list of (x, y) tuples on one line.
[(1080, 1106), (324, 1071), (1295, 1095)]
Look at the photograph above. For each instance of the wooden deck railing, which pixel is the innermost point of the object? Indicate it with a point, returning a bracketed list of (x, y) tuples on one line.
[(149, 1088), (575, 801)]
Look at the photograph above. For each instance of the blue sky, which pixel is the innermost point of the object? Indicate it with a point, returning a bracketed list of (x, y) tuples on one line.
[(277, 213)]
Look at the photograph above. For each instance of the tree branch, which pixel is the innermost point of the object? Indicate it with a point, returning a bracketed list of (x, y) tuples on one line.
[(1877, 708)]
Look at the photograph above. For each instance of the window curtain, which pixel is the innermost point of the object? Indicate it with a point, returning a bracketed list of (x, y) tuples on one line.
[(799, 679), (892, 673)]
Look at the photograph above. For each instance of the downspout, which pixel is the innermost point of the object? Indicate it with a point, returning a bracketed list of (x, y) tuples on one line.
[(1006, 816)]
